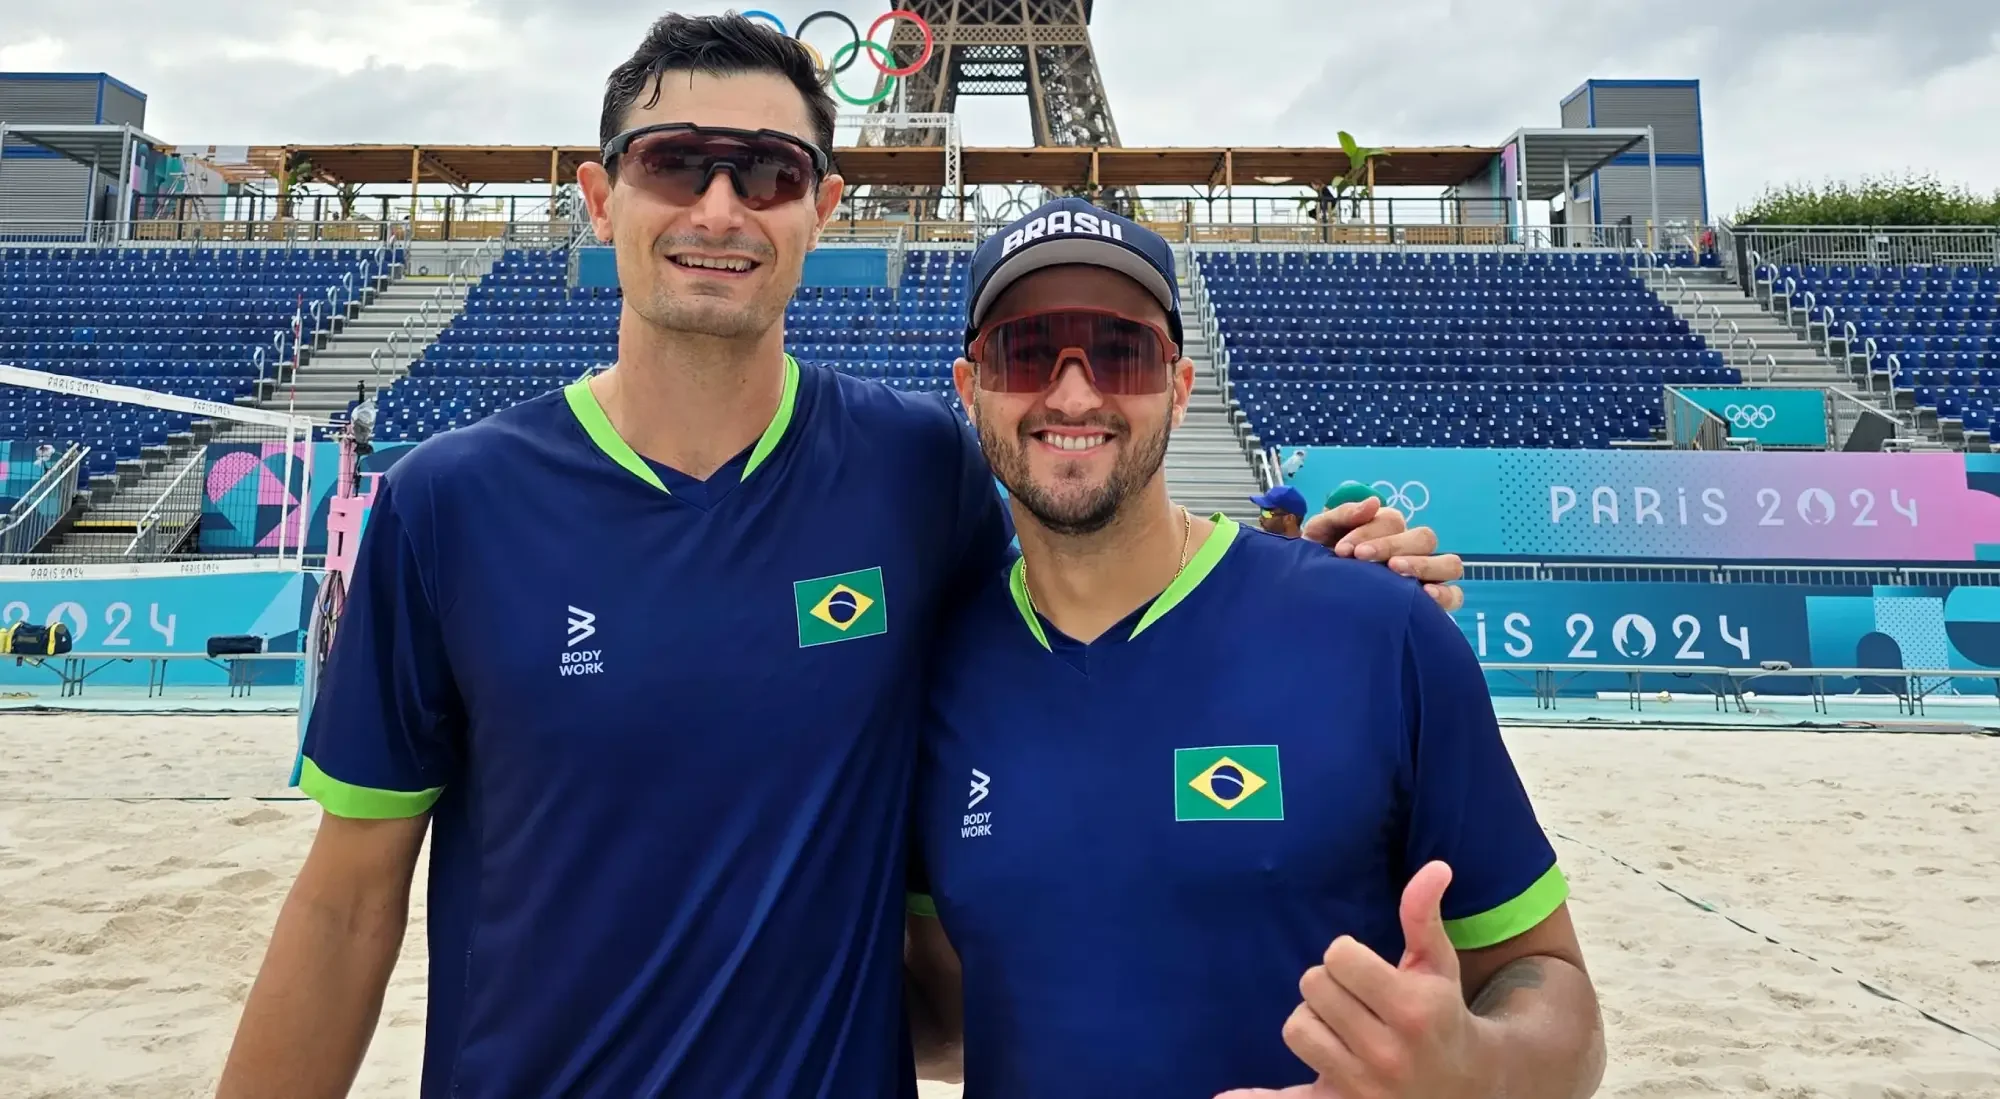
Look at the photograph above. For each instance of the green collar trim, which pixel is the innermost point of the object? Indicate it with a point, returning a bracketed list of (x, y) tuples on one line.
[(1198, 567), (1017, 583), (583, 404)]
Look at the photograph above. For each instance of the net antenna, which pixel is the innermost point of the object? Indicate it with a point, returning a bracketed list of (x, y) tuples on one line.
[(167, 475)]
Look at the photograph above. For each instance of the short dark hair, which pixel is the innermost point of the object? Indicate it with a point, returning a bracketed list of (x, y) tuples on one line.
[(720, 45)]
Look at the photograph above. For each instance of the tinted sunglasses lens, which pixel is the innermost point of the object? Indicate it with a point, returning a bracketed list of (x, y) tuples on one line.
[(678, 167), (1126, 358)]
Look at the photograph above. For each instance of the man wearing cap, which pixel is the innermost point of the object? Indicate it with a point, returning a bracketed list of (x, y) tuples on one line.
[(1122, 883), (1282, 511)]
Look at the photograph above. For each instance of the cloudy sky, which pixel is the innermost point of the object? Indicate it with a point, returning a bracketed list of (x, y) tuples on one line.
[(1791, 91)]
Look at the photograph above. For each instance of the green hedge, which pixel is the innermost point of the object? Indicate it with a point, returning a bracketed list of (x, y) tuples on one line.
[(1919, 200)]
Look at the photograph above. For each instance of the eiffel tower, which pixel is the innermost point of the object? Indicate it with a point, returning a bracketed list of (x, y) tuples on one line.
[(1038, 50)]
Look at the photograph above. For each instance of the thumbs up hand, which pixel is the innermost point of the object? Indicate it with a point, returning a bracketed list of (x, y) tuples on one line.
[(1376, 1031)]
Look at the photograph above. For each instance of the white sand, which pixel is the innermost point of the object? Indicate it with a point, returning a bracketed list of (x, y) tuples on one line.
[(130, 930)]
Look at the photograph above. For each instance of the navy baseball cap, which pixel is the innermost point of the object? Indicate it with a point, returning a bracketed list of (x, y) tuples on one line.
[(1070, 230), (1283, 498)]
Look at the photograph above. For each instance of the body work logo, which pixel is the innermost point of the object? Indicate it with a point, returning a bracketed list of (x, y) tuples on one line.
[(575, 661)]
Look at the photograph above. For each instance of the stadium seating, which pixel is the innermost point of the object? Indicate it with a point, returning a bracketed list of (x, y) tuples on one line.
[(1449, 348), (1463, 348), (182, 321), (524, 332), (1936, 328)]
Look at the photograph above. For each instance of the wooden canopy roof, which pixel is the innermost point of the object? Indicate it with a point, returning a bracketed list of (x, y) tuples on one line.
[(465, 165)]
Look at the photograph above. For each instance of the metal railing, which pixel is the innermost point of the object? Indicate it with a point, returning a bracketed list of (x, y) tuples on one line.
[(1182, 221), (1203, 309), (174, 513), (36, 514), (73, 232), (1903, 421), (1779, 245), (432, 313), (1690, 426), (1812, 575)]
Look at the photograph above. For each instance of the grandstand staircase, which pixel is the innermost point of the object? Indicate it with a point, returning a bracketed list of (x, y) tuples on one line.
[(1768, 351), (364, 349), (356, 351), (1207, 469), (114, 504)]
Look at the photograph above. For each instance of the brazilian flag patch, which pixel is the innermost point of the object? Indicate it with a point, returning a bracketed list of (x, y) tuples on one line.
[(1239, 782), (840, 608)]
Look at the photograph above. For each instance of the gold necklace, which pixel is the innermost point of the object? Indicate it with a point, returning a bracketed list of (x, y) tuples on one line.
[(1187, 528)]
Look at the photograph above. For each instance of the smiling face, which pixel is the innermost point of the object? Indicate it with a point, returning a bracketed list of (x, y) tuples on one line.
[(1072, 455), (712, 267)]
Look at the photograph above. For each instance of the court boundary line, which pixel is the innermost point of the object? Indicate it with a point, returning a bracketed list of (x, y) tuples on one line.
[(1868, 984)]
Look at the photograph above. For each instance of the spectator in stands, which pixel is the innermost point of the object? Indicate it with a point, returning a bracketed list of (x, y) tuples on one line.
[(649, 651), (1284, 511), (1105, 947), (45, 457)]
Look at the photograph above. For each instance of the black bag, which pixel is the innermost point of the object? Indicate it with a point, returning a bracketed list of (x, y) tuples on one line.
[(235, 645), (22, 639)]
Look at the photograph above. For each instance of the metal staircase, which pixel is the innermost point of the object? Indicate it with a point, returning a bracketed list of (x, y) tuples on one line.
[(1208, 466), (375, 347), (1768, 350)]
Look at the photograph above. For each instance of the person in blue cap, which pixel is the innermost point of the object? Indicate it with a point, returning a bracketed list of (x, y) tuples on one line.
[(1282, 511), (1135, 857)]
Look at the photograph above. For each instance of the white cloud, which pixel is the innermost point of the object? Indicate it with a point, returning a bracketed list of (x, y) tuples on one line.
[(41, 54)]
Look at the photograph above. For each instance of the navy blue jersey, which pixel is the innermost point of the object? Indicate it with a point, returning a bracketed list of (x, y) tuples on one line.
[(1139, 845), (666, 738)]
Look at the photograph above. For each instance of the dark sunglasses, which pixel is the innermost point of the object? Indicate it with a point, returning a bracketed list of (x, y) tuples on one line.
[(1124, 356), (678, 161)]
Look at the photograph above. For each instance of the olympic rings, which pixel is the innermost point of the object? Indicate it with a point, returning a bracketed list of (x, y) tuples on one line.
[(888, 80), (853, 32), (923, 58), (1750, 415), (880, 56)]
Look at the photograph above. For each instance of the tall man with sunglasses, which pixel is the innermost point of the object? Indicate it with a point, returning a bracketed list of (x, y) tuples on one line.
[(1134, 847), (647, 657)]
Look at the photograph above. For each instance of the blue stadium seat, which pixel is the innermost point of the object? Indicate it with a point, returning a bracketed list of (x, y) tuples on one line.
[(1935, 328), (1463, 348), (188, 321)]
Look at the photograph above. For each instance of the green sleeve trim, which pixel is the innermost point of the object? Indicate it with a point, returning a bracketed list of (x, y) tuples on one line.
[(921, 904), (1198, 567), (1516, 917), (1017, 583), (362, 802)]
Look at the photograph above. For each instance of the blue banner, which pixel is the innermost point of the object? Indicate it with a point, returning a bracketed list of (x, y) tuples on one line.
[(1731, 625), (163, 614), (1773, 417), (1682, 504)]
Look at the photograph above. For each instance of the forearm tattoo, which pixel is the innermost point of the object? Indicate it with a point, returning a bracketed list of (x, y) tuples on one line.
[(1525, 973)]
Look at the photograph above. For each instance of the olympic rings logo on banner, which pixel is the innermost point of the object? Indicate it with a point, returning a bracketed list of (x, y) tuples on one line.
[(1750, 415), (844, 58), (1410, 497)]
